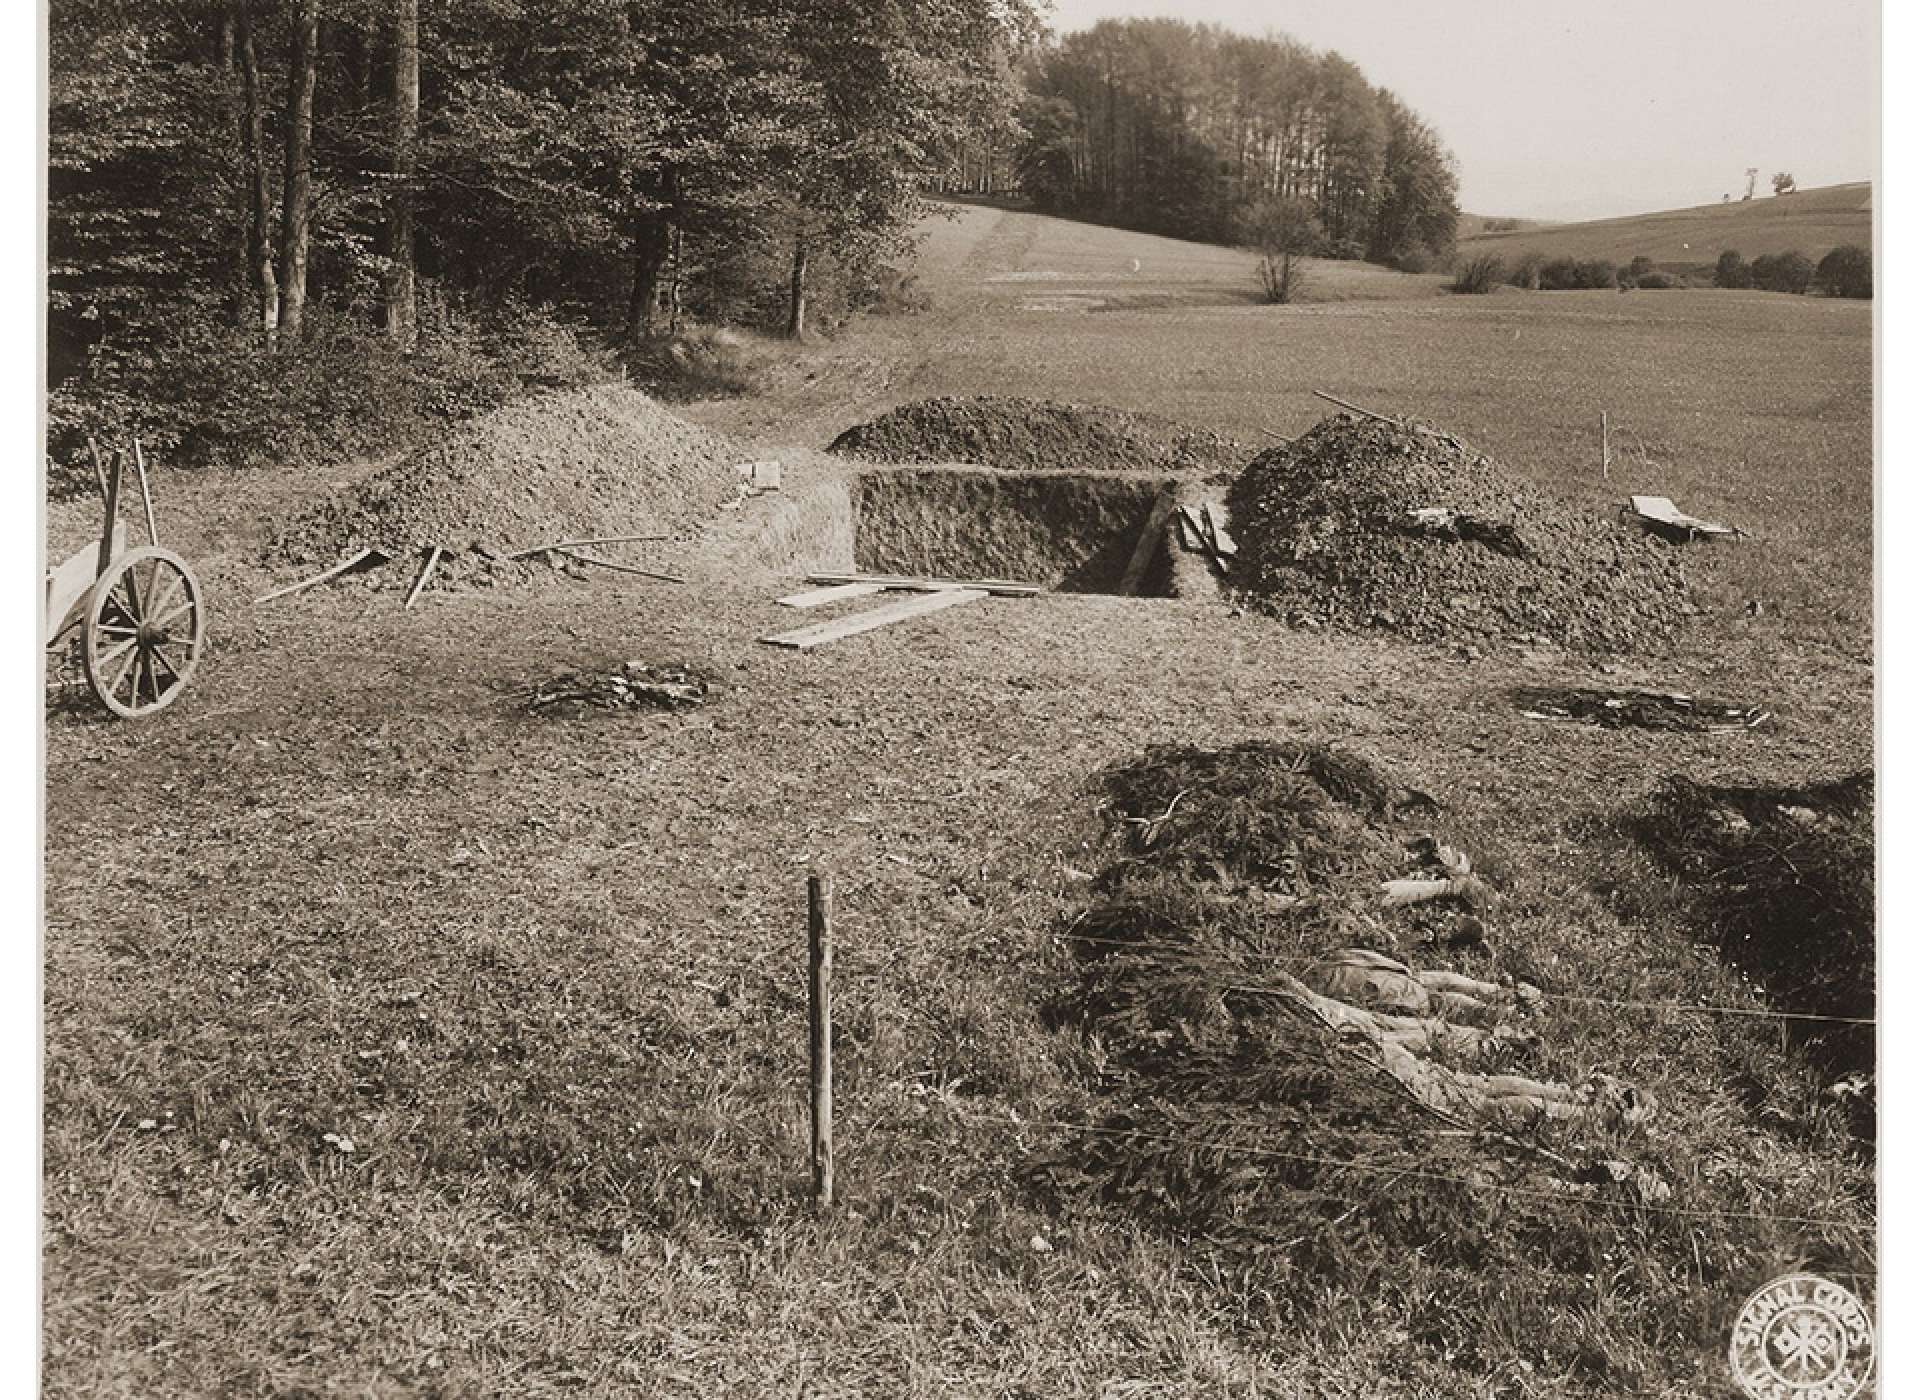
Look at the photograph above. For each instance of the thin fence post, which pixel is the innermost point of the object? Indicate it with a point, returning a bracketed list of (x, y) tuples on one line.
[(1606, 453), (820, 1031)]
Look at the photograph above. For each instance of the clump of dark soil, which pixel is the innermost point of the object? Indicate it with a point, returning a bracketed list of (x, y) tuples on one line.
[(1361, 524), (1781, 879), (569, 465), (1038, 435), (631, 685), (1637, 709)]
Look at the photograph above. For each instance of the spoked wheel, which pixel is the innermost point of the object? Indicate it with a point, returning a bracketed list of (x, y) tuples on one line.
[(145, 626)]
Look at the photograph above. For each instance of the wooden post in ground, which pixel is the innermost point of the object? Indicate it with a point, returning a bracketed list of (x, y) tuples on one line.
[(1606, 456), (820, 1032)]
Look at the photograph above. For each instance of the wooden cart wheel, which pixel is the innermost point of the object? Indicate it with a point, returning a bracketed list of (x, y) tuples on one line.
[(144, 629)]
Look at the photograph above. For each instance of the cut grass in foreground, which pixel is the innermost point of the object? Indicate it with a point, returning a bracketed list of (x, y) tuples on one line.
[(544, 976)]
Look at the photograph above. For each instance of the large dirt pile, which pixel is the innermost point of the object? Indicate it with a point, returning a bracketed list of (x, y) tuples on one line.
[(570, 465), (1365, 524), (1038, 435)]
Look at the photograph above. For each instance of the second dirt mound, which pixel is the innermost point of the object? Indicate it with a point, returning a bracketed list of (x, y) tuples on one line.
[(1364, 524), (607, 461), (1038, 435)]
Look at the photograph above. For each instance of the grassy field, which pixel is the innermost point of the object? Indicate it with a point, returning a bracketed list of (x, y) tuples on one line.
[(1812, 221), (401, 1042)]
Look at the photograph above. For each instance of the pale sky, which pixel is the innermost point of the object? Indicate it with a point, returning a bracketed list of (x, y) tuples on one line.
[(1580, 109)]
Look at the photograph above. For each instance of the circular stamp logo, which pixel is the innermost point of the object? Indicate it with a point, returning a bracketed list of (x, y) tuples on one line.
[(1802, 1338)]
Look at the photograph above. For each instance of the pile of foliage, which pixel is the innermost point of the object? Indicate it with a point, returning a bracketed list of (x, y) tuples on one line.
[(1365, 524), (1037, 435), (1275, 1152)]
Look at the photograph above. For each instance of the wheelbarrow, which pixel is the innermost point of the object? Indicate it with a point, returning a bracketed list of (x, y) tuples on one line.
[(140, 618)]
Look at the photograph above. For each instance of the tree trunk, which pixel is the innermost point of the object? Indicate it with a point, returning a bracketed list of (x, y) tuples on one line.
[(677, 256), (239, 294), (296, 209), (652, 244), (397, 233), (263, 286), (797, 291)]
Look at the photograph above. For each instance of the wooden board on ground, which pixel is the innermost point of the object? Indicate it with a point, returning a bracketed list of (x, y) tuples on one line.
[(805, 638), (1151, 534), (365, 556), (833, 593), (1658, 510), (999, 587)]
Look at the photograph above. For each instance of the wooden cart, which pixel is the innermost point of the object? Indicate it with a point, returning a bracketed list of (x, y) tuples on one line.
[(142, 623)]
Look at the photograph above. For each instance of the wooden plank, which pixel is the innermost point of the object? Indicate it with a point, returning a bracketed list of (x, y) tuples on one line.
[(1000, 588), (619, 568), (1151, 534), (68, 583), (426, 573), (819, 597), (1214, 516), (561, 546), (820, 633), (362, 557), (1662, 511)]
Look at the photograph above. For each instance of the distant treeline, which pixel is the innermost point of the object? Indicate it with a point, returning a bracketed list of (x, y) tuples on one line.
[(1188, 129)]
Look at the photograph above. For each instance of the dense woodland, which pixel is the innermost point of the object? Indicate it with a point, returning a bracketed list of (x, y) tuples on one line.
[(1192, 130), (281, 229)]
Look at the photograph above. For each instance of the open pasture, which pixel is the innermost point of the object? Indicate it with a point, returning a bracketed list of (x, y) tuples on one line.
[(1811, 221)]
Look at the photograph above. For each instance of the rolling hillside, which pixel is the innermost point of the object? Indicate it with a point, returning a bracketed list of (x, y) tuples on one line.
[(1812, 221)]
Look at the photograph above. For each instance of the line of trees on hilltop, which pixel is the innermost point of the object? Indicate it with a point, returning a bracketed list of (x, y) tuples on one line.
[(1188, 130), (257, 208)]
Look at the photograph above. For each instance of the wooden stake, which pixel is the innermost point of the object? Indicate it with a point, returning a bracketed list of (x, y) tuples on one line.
[(562, 546), (1354, 408), (1606, 454), (1396, 422), (146, 496), (320, 577), (820, 1032), (426, 572), (622, 568)]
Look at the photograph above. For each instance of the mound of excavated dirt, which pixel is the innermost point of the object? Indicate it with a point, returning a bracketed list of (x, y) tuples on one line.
[(571, 465), (1038, 435), (1363, 524)]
